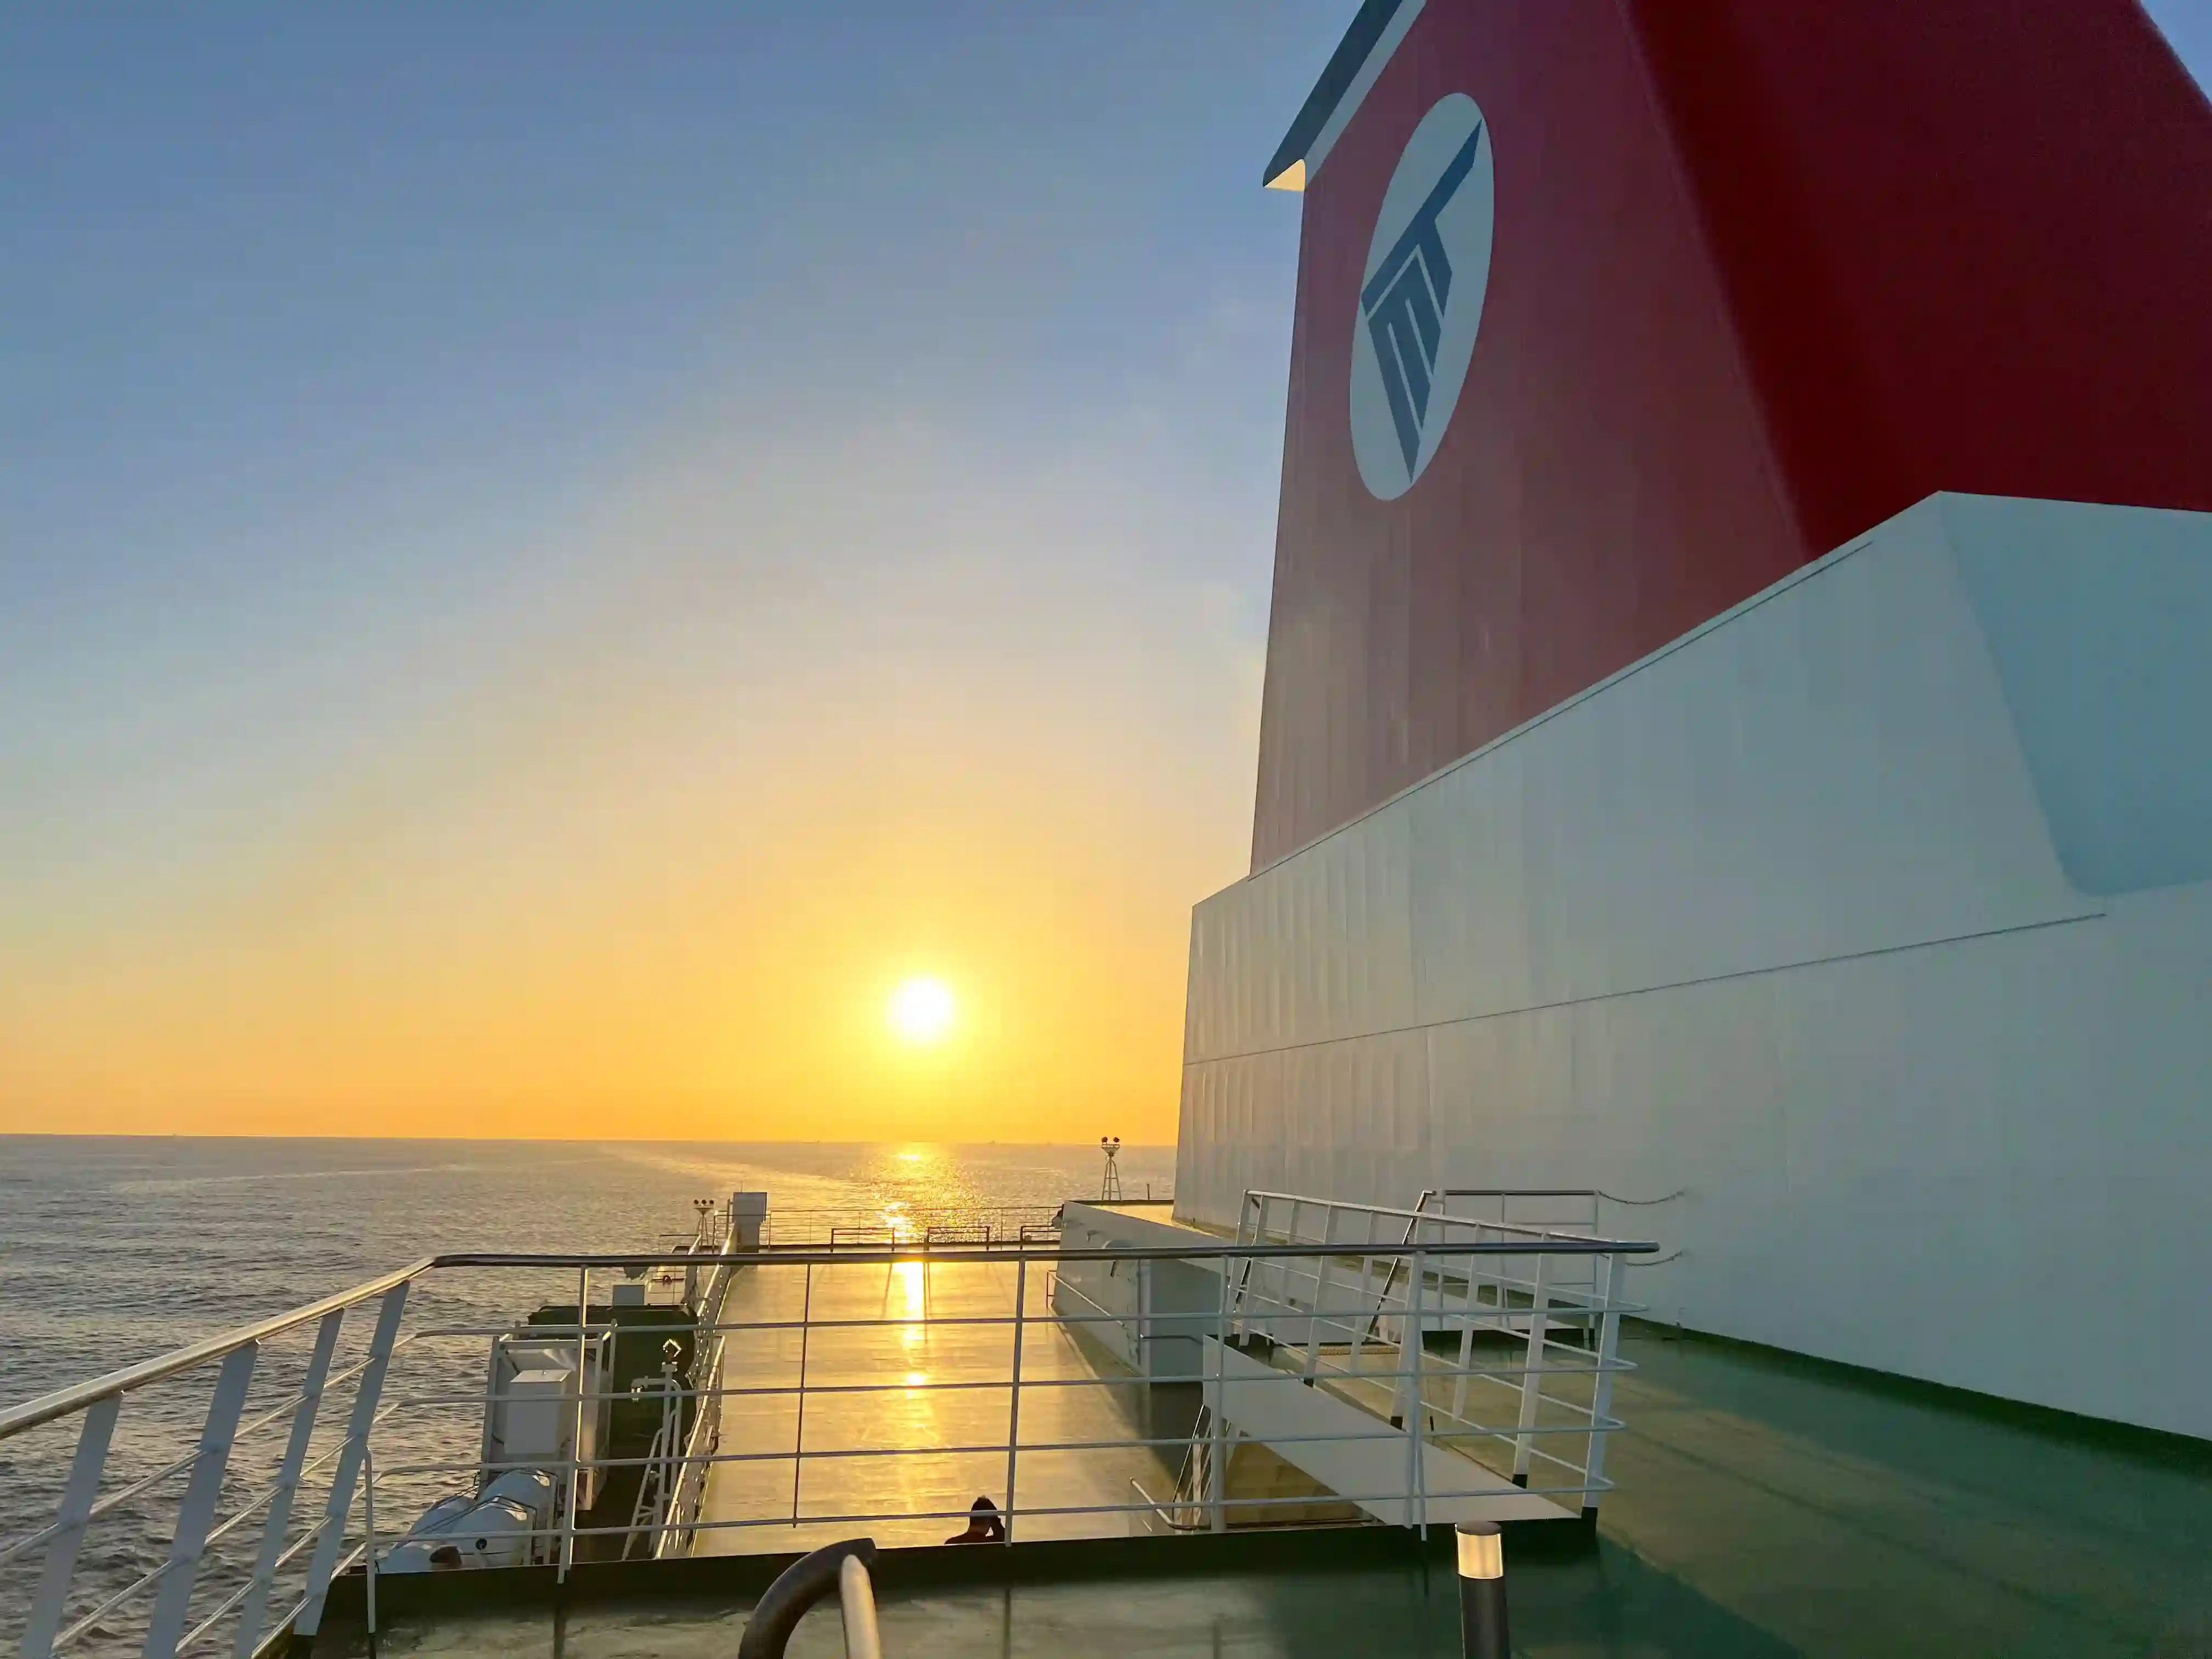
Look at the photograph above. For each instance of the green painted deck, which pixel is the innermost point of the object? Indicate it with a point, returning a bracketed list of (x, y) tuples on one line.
[(1768, 1506)]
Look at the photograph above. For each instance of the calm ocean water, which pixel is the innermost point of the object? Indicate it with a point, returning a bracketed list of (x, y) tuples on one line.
[(112, 1249), (115, 1249)]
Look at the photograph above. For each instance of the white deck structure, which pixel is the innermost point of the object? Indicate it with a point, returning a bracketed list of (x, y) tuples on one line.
[(1875, 915)]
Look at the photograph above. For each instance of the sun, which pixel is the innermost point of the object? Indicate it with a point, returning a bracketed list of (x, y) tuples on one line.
[(921, 1010)]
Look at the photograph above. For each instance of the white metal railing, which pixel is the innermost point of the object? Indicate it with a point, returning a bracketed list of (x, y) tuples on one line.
[(674, 1537), (1561, 1209), (96, 1408), (899, 1222), (1485, 1281), (1364, 1341)]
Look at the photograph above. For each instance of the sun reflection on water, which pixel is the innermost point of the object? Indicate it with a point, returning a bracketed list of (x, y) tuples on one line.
[(913, 1278)]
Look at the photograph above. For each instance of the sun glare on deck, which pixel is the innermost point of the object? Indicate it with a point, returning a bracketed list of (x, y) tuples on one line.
[(921, 1010)]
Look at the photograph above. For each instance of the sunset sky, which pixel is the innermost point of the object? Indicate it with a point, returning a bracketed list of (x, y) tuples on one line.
[(554, 557)]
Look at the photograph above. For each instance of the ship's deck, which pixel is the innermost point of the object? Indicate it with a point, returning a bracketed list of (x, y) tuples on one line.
[(1768, 1506), (1605, 1603), (899, 1359)]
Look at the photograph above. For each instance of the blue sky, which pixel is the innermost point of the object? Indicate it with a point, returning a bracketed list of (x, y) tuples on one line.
[(459, 463), (314, 320)]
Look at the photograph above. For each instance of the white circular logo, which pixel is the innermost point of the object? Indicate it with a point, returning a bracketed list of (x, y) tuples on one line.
[(1421, 301)]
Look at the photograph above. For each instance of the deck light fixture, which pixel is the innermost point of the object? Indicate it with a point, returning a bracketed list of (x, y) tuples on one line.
[(1482, 1590)]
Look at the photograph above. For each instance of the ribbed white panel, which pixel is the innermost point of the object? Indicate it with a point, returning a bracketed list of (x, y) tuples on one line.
[(1830, 770), (1776, 916)]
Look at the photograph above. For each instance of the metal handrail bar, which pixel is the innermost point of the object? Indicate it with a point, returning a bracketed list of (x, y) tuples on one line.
[(1559, 1192), (73, 1631), (1607, 1425), (1568, 1298), (773, 1391), (62, 1402), (1431, 1216), (1488, 1310), (811, 1256), (864, 1516), (1513, 1192), (1447, 1318), (992, 1448), (1102, 1316), (879, 1209), (1543, 1341), (1334, 1253), (1585, 1301)]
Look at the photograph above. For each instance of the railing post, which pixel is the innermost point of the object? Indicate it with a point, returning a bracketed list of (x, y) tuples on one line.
[(1226, 1261), (1466, 1346), (197, 1513), (1322, 1266), (576, 1428), (1415, 1349), (1014, 1403), (1403, 1388), (371, 1390), (798, 1430), (279, 1522), (1217, 1473), (1362, 1324), (1532, 1379), (368, 1526), (60, 1568), (1500, 1301), (1608, 1350)]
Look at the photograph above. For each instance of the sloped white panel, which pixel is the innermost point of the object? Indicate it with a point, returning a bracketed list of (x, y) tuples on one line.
[(1776, 918)]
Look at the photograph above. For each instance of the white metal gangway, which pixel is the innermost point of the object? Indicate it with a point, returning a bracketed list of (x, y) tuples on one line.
[(1535, 1309)]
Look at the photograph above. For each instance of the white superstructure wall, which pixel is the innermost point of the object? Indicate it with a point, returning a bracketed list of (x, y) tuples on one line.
[(1875, 916)]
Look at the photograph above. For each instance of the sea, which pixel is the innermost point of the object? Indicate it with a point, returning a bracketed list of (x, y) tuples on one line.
[(115, 1250)]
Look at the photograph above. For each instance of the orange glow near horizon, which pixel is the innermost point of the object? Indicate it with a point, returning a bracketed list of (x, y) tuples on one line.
[(632, 992), (660, 873)]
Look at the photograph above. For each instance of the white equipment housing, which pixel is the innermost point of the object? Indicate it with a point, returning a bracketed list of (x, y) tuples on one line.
[(530, 1416)]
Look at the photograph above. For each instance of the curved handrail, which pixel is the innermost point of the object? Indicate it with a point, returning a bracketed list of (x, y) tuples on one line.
[(798, 1587)]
